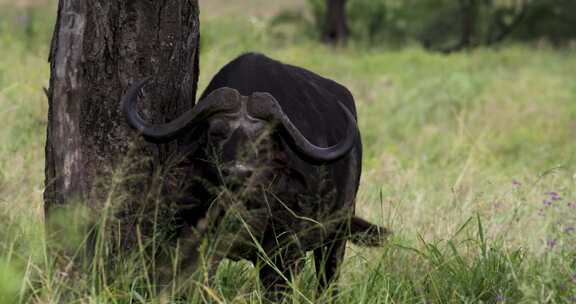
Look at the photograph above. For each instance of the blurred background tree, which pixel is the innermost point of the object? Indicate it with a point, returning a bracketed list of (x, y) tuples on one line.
[(335, 29), (550, 20), (437, 25)]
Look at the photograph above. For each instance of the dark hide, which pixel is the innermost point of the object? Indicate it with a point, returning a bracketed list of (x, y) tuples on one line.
[(310, 101)]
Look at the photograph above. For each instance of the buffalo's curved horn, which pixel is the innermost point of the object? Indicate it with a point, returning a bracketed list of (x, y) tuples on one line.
[(220, 100), (270, 110)]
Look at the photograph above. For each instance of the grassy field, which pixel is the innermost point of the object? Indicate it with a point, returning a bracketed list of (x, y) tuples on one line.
[(469, 159)]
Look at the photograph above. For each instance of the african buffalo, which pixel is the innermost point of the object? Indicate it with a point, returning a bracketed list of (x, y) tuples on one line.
[(274, 149)]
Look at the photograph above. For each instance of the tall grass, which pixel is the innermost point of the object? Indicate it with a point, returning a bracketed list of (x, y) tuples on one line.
[(469, 159)]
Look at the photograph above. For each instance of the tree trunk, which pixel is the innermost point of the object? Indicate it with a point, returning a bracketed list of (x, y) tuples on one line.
[(98, 49), (336, 27), (469, 10), (469, 13)]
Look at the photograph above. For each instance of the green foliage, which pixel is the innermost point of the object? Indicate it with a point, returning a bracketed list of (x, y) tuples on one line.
[(486, 277), (464, 268), (550, 20), (437, 24), (370, 21), (10, 282)]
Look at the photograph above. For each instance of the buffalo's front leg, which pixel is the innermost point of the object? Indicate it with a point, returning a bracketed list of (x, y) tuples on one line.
[(278, 270), (327, 260)]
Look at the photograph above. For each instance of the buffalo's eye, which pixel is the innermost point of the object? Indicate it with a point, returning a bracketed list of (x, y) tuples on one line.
[(218, 129)]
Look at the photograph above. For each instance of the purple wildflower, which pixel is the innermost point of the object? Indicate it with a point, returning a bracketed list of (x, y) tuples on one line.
[(516, 184), (572, 205), (500, 298), (570, 229), (551, 244), (547, 203)]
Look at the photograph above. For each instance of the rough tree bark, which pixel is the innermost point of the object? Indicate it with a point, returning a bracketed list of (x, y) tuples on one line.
[(336, 27), (98, 49)]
